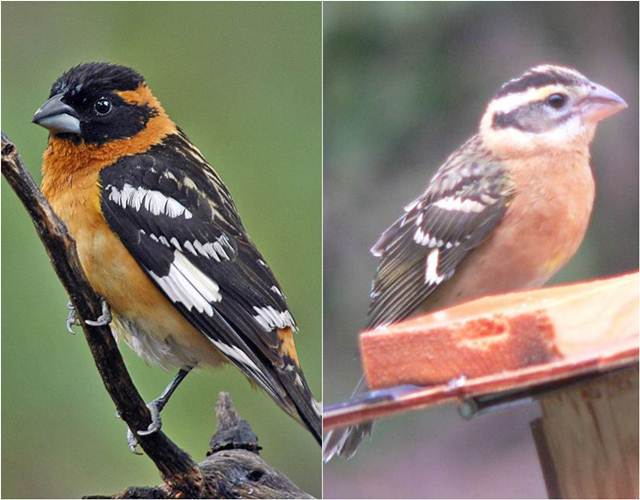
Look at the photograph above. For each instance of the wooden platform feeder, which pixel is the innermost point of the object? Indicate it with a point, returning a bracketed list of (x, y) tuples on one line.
[(573, 348)]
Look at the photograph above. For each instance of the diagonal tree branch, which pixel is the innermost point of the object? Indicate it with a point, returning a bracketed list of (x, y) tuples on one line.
[(220, 475), (176, 467)]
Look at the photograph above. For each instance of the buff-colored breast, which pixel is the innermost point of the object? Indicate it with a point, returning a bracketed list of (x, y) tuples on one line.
[(541, 230)]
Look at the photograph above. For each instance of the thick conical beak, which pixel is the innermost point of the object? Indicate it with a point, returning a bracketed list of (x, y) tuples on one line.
[(601, 103), (57, 116)]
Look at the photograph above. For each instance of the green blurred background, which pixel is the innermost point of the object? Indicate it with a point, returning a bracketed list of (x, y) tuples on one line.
[(244, 81), (404, 85)]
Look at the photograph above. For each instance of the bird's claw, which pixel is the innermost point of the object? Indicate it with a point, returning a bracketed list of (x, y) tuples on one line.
[(156, 422), (154, 426), (132, 442), (72, 318), (104, 319)]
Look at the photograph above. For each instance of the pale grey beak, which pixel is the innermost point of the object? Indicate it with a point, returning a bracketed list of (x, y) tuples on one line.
[(57, 116), (601, 103)]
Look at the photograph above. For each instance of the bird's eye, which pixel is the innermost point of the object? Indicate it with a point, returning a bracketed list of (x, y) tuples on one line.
[(102, 106), (557, 100)]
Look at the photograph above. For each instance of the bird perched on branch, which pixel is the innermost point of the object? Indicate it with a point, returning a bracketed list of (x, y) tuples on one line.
[(504, 212), (160, 239)]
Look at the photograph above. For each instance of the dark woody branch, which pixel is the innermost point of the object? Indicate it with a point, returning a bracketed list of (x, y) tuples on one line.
[(233, 467), (176, 467), (181, 475)]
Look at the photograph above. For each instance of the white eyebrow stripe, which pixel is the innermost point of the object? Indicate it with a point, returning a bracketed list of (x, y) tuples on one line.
[(510, 102)]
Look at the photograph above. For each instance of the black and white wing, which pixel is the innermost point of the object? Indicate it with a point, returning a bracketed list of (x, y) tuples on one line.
[(177, 219), (465, 200)]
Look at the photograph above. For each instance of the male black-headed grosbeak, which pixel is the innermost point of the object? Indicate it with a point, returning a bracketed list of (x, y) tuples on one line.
[(504, 212), (160, 239)]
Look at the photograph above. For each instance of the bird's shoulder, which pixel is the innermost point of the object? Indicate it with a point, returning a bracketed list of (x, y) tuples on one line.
[(465, 188), (170, 208), (176, 173)]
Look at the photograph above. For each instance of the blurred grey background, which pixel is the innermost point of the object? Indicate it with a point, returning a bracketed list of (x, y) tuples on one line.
[(404, 85), (243, 79)]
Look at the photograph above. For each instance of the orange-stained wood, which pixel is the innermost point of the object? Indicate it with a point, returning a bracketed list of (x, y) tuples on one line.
[(521, 381), (501, 333), (287, 346)]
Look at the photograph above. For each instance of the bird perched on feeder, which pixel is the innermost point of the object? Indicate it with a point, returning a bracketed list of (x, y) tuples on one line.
[(160, 239), (504, 212)]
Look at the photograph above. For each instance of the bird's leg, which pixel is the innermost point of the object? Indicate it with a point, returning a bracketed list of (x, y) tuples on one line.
[(73, 320), (155, 407)]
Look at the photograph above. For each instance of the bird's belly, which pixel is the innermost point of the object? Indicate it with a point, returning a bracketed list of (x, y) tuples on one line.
[(143, 317), (157, 345)]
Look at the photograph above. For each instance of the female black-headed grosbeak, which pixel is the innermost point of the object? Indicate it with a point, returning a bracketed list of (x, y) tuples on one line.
[(160, 239), (504, 212)]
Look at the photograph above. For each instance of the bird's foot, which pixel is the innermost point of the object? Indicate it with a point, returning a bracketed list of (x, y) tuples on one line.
[(156, 422), (132, 443), (104, 319), (155, 425), (72, 318)]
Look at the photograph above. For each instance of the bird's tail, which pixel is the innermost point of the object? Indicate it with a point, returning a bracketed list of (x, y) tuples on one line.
[(345, 441), (290, 388), (305, 408)]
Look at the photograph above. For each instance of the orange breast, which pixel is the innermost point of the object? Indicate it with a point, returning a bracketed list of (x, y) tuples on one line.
[(146, 319)]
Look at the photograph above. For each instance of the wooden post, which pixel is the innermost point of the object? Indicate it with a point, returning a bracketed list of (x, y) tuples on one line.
[(587, 438)]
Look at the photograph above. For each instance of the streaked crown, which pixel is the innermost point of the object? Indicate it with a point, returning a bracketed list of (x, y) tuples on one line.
[(542, 76), (547, 109)]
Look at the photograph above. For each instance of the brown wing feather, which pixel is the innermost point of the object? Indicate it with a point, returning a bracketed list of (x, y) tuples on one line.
[(420, 252)]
